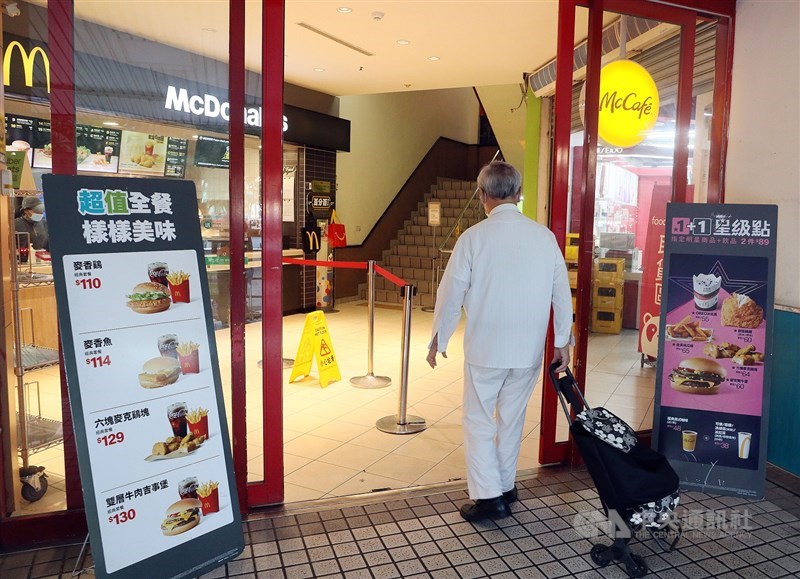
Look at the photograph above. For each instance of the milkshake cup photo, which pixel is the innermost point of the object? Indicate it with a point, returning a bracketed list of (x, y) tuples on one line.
[(689, 440), (744, 444), (706, 291)]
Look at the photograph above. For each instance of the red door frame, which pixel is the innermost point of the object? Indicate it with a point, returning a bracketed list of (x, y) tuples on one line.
[(270, 491), (681, 12)]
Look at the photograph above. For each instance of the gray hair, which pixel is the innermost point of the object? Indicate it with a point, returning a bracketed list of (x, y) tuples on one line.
[(499, 180)]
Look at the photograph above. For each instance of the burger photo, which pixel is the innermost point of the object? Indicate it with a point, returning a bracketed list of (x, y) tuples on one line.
[(697, 376), (181, 516), (159, 372), (149, 298)]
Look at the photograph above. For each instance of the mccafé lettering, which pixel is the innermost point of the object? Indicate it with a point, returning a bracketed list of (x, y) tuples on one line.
[(628, 107), (629, 102), (208, 105), (27, 59)]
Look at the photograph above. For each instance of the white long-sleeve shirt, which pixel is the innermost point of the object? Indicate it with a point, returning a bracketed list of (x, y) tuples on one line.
[(506, 271)]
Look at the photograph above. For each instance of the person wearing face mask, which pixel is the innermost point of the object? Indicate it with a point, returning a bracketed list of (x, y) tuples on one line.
[(507, 272), (31, 221)]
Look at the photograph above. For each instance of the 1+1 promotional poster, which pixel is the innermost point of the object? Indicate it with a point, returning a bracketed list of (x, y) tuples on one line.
[(715, 346)]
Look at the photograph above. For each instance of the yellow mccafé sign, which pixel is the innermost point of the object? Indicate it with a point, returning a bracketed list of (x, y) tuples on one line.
[(27, 58), (628, 103)]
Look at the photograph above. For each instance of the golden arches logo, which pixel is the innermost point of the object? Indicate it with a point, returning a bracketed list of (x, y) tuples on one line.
[(28, 59)]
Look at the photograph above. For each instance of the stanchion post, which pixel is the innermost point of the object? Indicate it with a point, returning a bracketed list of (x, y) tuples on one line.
[(401, 423), (370, 380)]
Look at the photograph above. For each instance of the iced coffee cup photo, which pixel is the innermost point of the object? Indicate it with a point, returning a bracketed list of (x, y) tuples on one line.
[(689, 440), (189, 357), (744, 444)]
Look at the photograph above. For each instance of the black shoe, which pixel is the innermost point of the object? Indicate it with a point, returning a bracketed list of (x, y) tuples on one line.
[(495, 508), (511, 496)]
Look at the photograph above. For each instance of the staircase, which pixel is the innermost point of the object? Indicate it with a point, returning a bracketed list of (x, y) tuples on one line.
[(411, 254)]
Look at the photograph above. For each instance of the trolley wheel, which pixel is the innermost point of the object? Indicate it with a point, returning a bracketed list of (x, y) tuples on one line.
[(30, 494), (598, 555), (637, 567)]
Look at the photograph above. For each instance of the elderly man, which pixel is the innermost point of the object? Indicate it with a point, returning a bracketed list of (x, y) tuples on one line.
[(506, 271)]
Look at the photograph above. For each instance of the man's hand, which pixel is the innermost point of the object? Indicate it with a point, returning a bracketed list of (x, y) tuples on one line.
[(433, 351), (561, 355)]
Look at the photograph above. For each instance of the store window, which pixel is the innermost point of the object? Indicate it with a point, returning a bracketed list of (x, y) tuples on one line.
[(632, 181)]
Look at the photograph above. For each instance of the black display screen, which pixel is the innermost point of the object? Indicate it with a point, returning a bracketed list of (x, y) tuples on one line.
[(211, 152)]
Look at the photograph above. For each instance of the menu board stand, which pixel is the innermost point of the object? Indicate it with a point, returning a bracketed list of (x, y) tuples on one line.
[(143, 377), (715, 346)]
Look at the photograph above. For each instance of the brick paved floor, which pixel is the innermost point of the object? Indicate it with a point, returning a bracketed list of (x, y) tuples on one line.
[(549, 535)]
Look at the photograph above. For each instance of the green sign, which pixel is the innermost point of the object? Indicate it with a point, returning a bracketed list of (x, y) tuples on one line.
[(320, 186), (15, 162)]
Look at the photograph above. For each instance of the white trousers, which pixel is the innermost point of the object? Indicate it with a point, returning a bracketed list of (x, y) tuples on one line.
[(495, 400)]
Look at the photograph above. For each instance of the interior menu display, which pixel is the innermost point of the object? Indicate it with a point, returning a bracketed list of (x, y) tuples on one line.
[(20, 134), (42, 151), (177, 150), (142, 368), (211, 152), (97, 148), (143, 154)]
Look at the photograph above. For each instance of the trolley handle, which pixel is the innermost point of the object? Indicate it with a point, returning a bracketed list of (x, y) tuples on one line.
[(567, 390)]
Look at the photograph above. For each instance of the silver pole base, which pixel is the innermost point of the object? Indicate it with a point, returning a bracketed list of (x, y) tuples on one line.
[(371, 381), (427, 309), (287, 363), (413, 424)]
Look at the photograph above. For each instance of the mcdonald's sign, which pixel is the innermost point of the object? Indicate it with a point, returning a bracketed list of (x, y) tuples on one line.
[(27, 57)]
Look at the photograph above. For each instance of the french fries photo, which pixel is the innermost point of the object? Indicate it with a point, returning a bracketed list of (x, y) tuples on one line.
[(689, 329), (196, 415), (197, 420), (206, 488), (178, 283), (209, 497), (177, 277), (186, 348)]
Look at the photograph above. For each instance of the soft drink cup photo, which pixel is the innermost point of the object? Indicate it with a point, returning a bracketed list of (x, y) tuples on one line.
[(177, 418)]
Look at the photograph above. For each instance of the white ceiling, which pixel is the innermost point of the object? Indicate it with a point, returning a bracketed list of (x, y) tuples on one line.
[(478, 42)]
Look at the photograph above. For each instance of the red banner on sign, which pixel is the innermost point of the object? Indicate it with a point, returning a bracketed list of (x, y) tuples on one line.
[(653, 272)]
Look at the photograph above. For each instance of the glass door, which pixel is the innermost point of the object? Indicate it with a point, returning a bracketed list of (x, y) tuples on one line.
[(637, 132)]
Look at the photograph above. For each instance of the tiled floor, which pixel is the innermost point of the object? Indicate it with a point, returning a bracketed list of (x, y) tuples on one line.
[(332, 447), (419, 533)]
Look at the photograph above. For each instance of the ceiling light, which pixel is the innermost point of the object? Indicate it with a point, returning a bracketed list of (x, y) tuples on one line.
[(403, 42), (319, 70), (344, 10), (433, 58), (194, 137), (110, 124)]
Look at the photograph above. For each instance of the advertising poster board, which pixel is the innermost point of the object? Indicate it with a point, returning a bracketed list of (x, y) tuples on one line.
[(143, 154), (144, 383), (715, 346)]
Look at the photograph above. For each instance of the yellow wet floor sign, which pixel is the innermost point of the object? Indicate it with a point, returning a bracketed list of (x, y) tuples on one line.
[(316, 343)]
